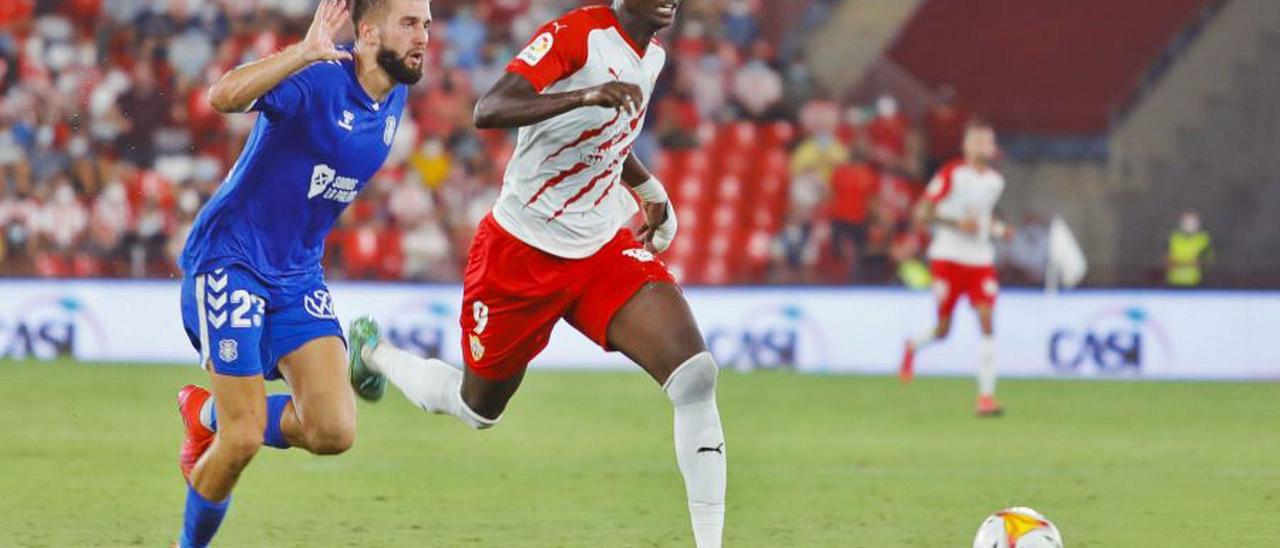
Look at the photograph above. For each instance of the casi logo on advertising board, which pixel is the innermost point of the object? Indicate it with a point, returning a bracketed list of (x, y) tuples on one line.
[(769, 337), (50, 326), (423, 328), (1116, 341)]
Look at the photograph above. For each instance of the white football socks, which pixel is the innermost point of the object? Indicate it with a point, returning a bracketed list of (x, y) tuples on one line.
[(987, 367), (700, 450), (924, 339), (433, 385)]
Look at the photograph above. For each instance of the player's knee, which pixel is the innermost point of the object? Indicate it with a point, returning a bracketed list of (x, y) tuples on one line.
[(239, 444), (694, 381), (333, 438)]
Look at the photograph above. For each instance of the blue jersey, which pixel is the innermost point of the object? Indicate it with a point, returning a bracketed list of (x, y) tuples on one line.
[(316, 143)]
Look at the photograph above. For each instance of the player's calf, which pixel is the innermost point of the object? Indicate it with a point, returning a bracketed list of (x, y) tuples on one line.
[(700, 447), (209, 492)]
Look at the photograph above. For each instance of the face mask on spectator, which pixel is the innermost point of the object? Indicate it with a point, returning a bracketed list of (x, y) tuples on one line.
[(189, 201), (64, 195), (44, 136), (114, 192), (887, 106), (1190, 224)]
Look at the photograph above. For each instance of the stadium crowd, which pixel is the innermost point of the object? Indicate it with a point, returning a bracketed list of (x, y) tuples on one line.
[(108, 147)]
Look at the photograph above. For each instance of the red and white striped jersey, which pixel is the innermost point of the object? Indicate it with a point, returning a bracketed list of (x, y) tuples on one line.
[(562, 191), (960, 191)]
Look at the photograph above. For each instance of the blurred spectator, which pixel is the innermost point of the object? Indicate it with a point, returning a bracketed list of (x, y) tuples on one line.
[(757, 88), (887, 134), (62, 220), (708, 82), (794, 247), (820, 152), (427, 251), (1190, 250), (431, 163), (466, 37), (944, 129), (853, 187), (14, 172), (895, 197), (146, 242), (145, 109), (741, 22), (678, 119)]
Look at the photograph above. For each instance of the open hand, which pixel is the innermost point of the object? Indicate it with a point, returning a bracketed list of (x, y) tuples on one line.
[(318, 44)]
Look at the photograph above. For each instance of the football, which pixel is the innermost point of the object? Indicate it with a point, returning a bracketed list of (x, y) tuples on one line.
[(1017, 528)]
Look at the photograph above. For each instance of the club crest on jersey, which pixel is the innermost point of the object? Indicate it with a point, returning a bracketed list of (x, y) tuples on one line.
[(389, 132), (325, 182), (319, 304), (537, 49), (347, 121), (639, 254), (228, 350), (477, 349)]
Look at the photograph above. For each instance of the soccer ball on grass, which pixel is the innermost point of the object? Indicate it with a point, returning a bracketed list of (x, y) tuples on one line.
[(1017, 528)]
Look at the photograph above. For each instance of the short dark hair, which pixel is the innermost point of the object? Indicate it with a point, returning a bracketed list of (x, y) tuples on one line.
[(361, 8)]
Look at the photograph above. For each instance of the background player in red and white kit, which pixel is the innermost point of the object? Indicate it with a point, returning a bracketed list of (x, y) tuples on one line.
[(960, 203), (556, 246)]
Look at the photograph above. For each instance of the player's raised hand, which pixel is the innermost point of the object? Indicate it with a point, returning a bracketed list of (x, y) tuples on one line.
[(618, 95), (318, 44)]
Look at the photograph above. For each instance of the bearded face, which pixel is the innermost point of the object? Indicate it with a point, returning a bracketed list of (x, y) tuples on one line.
[(406, 69)]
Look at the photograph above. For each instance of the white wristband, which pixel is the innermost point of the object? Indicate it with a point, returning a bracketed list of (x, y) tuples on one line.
[(651, 191)]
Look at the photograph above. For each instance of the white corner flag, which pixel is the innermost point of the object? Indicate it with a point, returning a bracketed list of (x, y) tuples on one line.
[(1067, 263)]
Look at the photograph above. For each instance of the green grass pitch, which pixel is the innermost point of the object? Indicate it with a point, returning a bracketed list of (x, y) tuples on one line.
[(87, 458)]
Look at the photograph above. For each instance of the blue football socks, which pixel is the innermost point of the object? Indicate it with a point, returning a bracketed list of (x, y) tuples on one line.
[(201, 519), (272, 436)]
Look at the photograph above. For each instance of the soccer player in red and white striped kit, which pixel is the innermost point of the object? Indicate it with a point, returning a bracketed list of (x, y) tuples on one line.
[(556, 246), (960, 205)]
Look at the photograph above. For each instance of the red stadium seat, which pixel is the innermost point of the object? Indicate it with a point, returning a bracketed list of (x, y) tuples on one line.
[(730, 189)]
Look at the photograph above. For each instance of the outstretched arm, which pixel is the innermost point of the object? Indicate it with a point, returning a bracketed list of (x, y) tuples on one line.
[(237, 90), (513, 102)]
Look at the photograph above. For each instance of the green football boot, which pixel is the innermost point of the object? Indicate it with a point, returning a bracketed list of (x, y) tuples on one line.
[(368, 384)]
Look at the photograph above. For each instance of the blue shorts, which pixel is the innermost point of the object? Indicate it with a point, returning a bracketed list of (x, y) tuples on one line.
[(242, 326)]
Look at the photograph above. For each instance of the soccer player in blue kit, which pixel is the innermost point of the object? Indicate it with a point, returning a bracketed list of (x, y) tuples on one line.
[(254, 300)]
